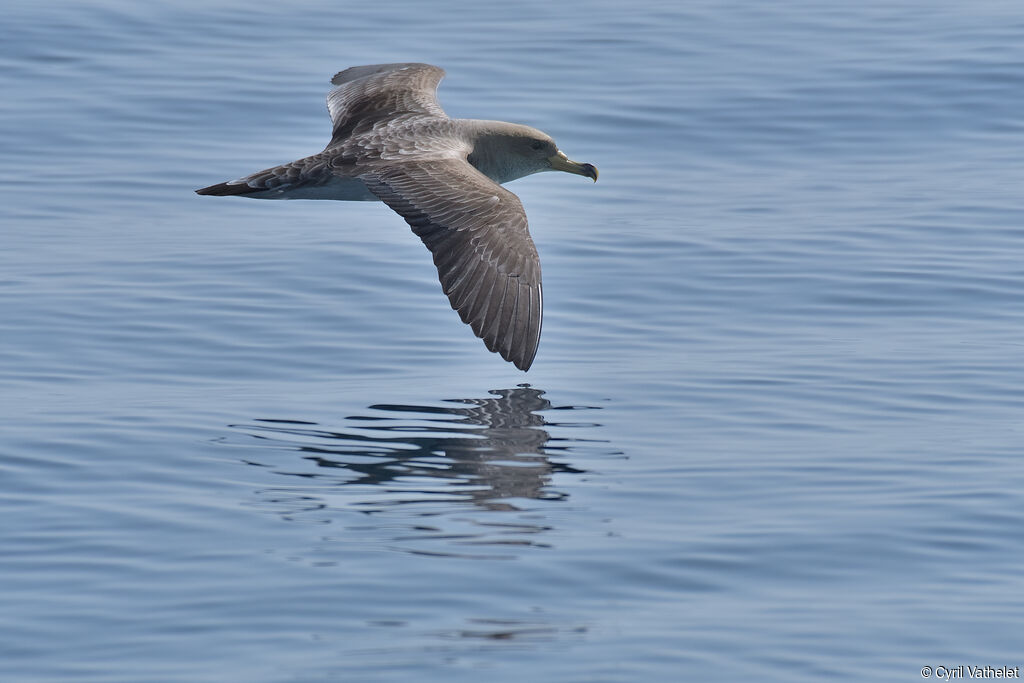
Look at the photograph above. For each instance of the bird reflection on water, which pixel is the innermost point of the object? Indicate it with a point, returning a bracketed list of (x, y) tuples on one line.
[(430, 463)]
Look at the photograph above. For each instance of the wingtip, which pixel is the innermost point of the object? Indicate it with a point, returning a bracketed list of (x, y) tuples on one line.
[(523, 365), (356, 72), (520, 355)]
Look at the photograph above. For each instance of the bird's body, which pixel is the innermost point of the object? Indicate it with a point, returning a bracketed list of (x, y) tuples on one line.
[(393, 142)]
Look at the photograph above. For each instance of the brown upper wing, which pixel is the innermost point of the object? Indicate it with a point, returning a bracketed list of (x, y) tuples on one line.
[(368, 94), (478, 235)]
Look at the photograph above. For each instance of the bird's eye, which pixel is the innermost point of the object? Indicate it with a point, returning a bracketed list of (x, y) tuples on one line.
[(537, 145)]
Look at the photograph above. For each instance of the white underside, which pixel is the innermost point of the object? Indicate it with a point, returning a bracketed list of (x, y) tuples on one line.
[(339, 189)]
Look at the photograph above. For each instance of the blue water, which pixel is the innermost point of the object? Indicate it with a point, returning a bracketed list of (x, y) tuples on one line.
[(775, 425)]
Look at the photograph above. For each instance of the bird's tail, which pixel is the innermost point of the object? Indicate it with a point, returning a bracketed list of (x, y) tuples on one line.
[(228, 189), (277, 182)]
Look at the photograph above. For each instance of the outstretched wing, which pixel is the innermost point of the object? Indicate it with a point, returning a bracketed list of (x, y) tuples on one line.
[(367, 94), (478, 235)]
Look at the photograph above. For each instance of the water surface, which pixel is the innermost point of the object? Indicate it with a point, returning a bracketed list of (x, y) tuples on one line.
[(774, 425)]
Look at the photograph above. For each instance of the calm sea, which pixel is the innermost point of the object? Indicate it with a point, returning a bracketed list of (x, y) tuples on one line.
[(776, 423)]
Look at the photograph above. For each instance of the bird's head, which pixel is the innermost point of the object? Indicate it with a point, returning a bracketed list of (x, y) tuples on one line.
[(541, 148), (513, 151)]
